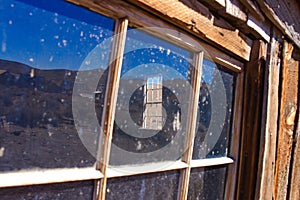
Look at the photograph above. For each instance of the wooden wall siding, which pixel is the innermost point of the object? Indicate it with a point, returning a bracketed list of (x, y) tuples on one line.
[(251, 126), (266, 169), (212, 29), (277, 13), (283, 14), (288, 109), (295, 173), (287, 11)]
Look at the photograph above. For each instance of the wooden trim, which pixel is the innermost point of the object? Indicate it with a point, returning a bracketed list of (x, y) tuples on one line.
[(288, 109), (115, 66), (295, 178), (211, 162), (293, 35), (22, 178), (191, 127), (233, 9), (139, 18), (266, 170), (254, 9), (227, 38), (232, 171), (252, 110), (120, 171), (179, 14)]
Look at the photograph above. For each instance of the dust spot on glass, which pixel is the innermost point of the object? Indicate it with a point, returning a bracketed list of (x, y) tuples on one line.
[(2, 149)]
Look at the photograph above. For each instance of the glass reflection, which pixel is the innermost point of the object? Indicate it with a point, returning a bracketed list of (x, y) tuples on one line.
[(43, 46), (60, 191), (214, 112), (152, 102), (162, 185), (207, 183)]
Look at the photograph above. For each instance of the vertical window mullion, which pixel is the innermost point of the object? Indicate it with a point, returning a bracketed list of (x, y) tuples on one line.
[(196, 83), (115, 66)]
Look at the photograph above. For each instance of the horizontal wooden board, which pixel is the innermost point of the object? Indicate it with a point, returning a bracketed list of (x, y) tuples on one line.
[(211, 29)]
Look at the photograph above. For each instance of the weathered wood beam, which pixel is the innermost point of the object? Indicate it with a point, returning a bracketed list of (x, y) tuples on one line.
[(295, 178), (266, 169), (214, 30), (285, 28), (288, 109), (251, 123), (245, 16), (115, 66), (187, 156), (253, 9)]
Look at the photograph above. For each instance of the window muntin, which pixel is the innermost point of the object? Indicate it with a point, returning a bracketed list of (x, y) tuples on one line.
[(43, 48), (154, 83), (184, 166)]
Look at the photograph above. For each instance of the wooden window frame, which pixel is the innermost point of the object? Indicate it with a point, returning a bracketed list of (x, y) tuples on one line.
[(101, 172), (139, 20)]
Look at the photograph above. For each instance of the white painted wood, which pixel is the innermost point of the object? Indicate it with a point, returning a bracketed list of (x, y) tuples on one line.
[(211, 162), (128, 170), (39, 176)]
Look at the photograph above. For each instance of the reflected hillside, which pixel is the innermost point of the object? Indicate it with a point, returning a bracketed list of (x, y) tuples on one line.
[(36, 122), (34, 97)]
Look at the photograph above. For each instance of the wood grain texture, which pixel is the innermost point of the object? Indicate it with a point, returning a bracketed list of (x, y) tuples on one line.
[(295, 178), (266, 169), (187, 156), (251, 123), (115, 66), (210, 29), (277, 18), (294, 190), (288, 109), (230, 191)]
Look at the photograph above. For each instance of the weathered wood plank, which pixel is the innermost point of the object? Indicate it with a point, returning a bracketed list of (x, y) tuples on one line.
[(140, 18), (295, 170), (187, 156), (258, 28), (288, 108), (253, 9), (295, 180), (251, 123), (233, 8), (211, 29), (266, 169), (116, 59), (287, 29)]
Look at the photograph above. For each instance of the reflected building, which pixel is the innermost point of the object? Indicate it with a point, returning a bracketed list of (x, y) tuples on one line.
[(153, 115)]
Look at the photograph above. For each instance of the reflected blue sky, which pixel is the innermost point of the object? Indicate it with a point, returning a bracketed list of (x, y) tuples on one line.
[(50, 35), (60, 35)]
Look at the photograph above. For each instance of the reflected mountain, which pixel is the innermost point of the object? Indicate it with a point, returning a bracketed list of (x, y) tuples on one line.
[(36, 122)]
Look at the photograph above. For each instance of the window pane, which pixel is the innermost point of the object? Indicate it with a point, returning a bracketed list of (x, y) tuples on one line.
[(61, 191), (207, 183), (153, 99), (44, 47), (162, 185), (214, 112)]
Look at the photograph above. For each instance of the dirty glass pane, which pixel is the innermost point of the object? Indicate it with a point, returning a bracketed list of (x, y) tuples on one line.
[(43, 47), (61, 191), (152, 186), (214, 112), (207, 183), (153, 99)]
